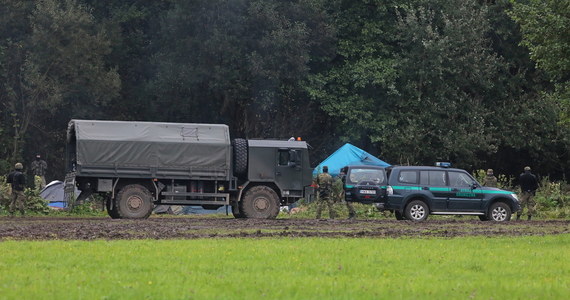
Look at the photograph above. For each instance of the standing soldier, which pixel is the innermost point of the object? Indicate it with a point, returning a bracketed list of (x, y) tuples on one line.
[(349, 206), (529, 184), (18, 180), (490, 179), (39, 168), (324, 183)]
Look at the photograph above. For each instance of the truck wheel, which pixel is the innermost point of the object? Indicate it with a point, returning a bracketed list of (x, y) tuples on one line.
[(236, 211), (500, 212), (260, 202), (134, 202), (111, 211), (417, 211), (240, 157)]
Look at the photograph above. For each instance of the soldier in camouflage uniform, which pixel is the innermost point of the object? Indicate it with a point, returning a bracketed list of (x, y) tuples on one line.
[(349, 206), (324, 183), (39, 168), (490, 179), (18, 181)]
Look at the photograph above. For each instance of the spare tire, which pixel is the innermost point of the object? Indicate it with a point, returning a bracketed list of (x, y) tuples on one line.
[(240, 157)]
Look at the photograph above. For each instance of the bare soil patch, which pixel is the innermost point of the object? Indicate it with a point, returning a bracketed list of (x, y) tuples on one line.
[(67, 228)]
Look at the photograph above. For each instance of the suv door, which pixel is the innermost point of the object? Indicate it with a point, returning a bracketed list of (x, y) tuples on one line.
[(435, 181), (462, 196)]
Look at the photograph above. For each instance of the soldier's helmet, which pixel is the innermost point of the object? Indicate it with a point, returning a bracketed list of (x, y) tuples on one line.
[(18, 166), (489, 171), (527, 168), (325, 169)]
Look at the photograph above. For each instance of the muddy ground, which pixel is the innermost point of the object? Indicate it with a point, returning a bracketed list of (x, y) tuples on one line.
[(68, 228)]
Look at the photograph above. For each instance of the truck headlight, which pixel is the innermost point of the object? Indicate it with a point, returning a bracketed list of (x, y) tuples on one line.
[(515, 196)]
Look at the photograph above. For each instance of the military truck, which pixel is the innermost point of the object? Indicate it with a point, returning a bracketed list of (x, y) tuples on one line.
[(137, 165)]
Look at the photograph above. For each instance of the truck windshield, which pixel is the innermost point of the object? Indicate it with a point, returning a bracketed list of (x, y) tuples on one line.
[(361, 174)]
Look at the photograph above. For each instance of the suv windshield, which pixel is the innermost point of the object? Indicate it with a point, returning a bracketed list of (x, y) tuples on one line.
[(361, 175)]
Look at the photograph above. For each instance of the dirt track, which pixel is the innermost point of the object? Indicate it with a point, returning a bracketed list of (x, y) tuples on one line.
[(48, 228)]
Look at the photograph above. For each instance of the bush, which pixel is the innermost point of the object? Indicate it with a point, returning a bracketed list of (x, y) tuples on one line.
[(553, 199), (33, 202)]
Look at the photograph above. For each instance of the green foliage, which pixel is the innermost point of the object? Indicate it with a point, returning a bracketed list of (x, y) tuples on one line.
[(87, 209), (5, 191), (545, 25), (240, 61), (34, 204), (315, 268), (553, 199), (413, 81), (37, 205), (56, 64)]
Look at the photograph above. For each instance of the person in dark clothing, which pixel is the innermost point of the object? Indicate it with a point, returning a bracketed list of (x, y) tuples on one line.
[(529, 185), (18, 181)]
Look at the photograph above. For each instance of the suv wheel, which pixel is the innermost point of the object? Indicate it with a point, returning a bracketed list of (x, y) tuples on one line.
[(500, 212), (417, 211)]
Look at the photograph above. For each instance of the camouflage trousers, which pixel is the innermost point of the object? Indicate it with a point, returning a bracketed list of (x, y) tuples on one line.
[(42, 182), (351, 212), (527, 200), (322, 200), (17, 201)]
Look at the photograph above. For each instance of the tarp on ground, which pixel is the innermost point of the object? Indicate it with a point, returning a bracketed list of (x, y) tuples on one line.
[(348, 155), (189, 210)]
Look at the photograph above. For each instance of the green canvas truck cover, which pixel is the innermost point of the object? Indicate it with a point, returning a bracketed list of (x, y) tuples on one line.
[(141, 149)]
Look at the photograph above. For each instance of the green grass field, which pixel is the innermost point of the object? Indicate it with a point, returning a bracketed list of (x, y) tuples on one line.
[(461, 268)]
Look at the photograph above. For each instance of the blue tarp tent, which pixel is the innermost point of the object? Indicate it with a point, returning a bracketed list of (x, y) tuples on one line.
[(348, 155)]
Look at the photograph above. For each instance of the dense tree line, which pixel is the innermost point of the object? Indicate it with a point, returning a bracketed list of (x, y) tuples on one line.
[(479, 83)]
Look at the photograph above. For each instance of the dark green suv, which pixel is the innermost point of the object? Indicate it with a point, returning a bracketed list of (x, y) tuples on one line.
[(364, 184), (414, 192)]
